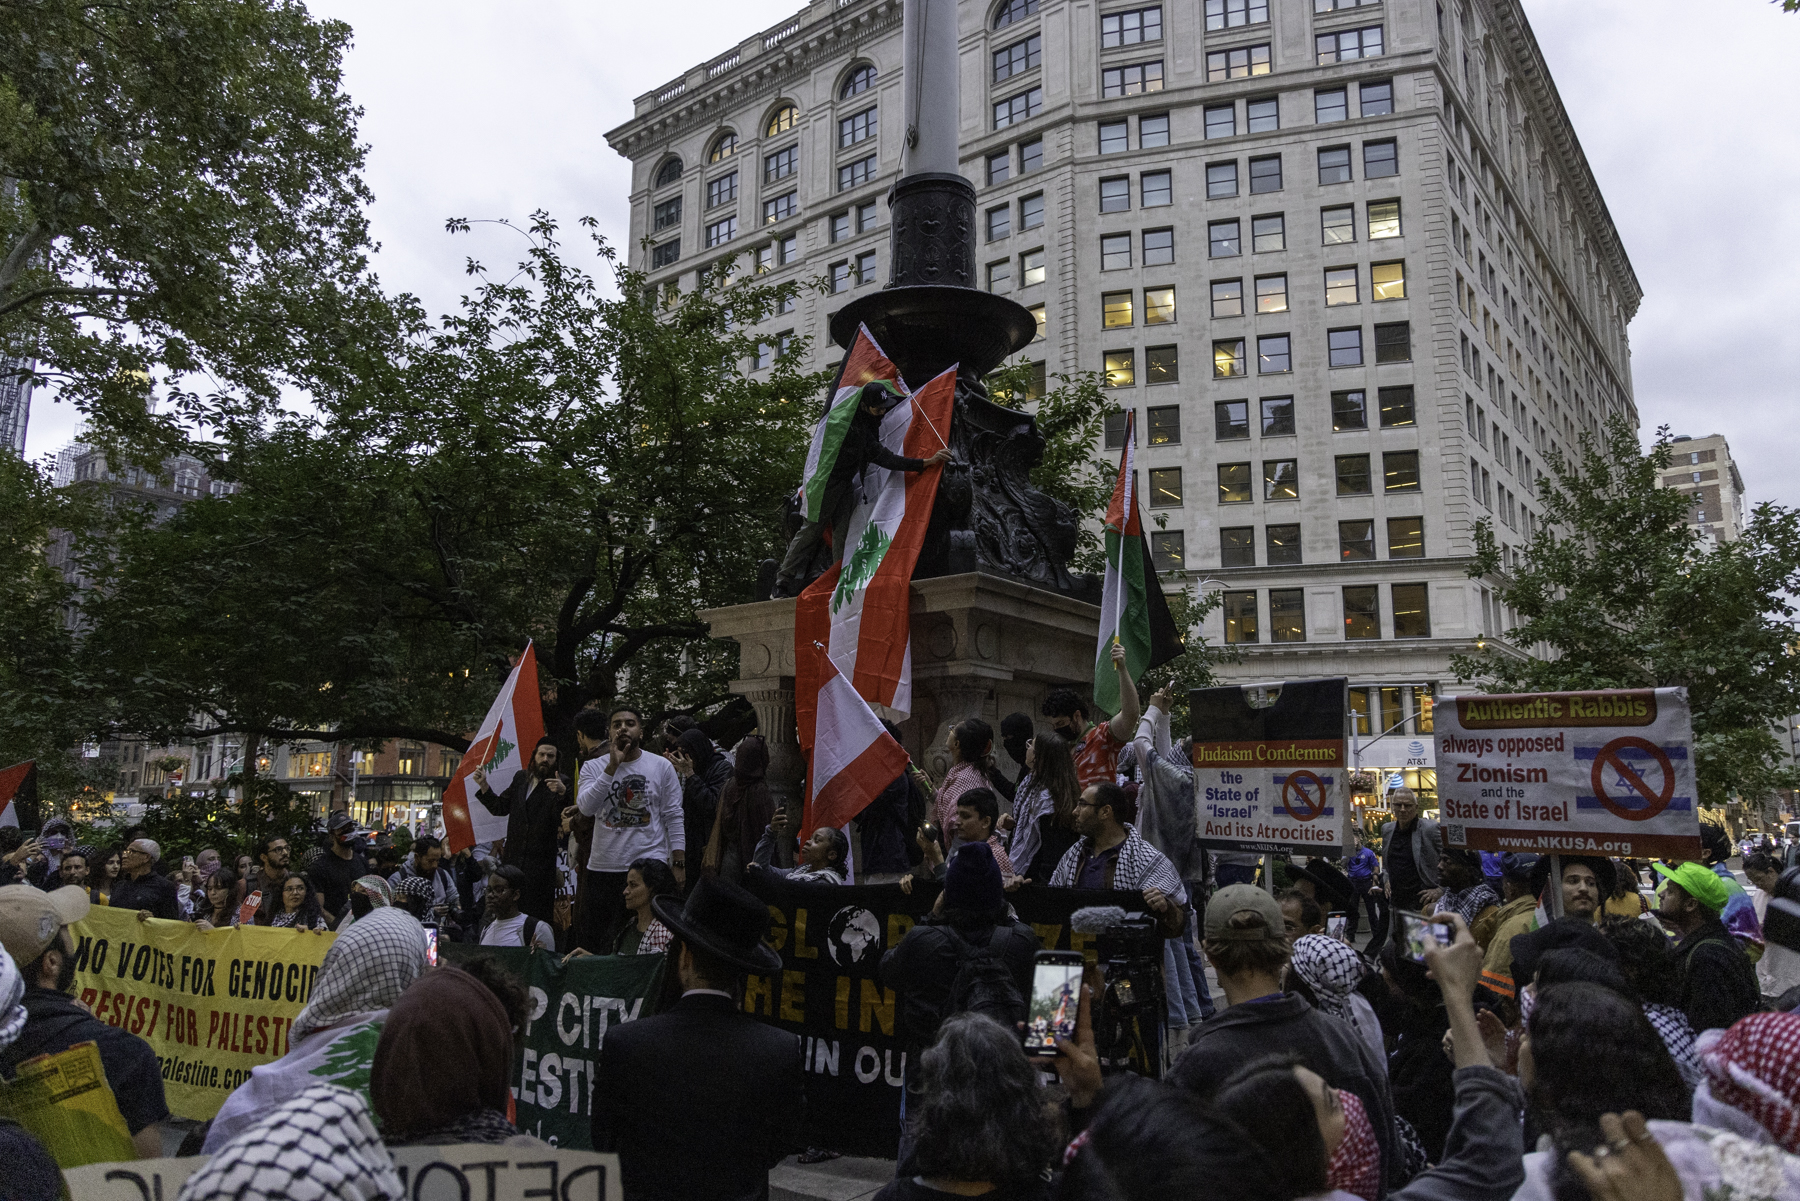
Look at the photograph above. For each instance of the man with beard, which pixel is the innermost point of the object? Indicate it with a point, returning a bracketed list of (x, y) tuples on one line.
[(532, 804), (34, 929), (1585, 881), (635, 799), (1718, 983)]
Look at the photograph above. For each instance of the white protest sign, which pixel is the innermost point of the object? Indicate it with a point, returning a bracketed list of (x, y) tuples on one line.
[(1269, 774), (464, 1172), (1583, 773)]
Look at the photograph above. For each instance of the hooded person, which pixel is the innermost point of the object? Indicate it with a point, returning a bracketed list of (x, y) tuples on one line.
[(442, 1066), (704, 775), (31, 1174), (335, 1036), (745, 809), (319, 1145)]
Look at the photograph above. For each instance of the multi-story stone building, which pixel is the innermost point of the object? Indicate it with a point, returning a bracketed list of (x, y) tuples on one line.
[(1345, 257), (1704, 469)]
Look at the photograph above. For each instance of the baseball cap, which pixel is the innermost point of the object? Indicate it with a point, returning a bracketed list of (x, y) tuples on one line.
[(1237, 898), (31, 917), (1698, 881), (339, 820), (1517, 866)]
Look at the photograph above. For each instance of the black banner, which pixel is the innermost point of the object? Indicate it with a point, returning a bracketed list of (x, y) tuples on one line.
[(831, 940)]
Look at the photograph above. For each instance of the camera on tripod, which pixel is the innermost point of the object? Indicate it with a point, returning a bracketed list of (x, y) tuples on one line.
[(1130, 1012)]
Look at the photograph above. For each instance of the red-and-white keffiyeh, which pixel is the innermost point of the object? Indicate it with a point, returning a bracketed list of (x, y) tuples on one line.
[(1356, 1164), (1754, 1068)]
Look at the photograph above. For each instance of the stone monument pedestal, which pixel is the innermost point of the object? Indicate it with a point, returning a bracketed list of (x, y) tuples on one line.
[(982, 646)]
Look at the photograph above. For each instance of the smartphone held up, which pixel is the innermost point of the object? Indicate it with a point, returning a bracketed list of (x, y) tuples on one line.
[(1055, 1000), (1419, 934)]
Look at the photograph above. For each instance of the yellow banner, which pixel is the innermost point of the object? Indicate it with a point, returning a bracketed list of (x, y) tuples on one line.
[(212, 1006)]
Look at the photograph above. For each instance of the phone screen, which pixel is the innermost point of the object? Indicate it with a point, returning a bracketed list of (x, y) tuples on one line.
[(1420, 932), (1335, 925), (431, 954), (1055, 997)]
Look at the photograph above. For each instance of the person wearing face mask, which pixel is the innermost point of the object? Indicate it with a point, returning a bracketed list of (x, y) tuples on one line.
[(367, 893)]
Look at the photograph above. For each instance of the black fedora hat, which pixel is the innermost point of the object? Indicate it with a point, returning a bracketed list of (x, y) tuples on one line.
[(723, 920)]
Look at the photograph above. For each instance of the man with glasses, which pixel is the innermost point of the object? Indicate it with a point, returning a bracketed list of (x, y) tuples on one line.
[(140, 887), (1410, 849), (1111, 854), (272, 863)]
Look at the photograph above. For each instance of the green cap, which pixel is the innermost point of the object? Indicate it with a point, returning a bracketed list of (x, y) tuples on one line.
[(1699, 882)]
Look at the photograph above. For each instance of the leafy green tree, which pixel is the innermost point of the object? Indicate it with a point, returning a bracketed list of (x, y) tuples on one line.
[(181, 200), (1622, 593)]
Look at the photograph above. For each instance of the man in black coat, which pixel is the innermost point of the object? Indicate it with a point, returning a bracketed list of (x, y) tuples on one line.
[(532, 804), (701, 1101), (139, 885)]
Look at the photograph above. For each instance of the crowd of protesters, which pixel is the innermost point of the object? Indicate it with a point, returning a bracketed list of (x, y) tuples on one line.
[(1591, 1028)]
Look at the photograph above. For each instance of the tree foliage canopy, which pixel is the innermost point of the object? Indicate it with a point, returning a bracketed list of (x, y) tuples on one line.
[(1624, 594)]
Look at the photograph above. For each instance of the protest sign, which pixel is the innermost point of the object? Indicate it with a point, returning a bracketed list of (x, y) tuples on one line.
[(831, 940), (453, 1173), (1270, 772), (571, 1008), (212, 1006), (1585, 773)]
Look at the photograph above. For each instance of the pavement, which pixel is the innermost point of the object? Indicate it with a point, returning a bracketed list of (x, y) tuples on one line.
[(846, 1179)]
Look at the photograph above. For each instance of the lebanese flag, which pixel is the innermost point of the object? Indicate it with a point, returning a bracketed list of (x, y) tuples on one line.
[(860, 608), (503, 745), (850, 757), (864, 366), (18, 787), (1133, 609)]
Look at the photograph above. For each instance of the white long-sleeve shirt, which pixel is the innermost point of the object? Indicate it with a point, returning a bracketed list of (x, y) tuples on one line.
[(637, 813)]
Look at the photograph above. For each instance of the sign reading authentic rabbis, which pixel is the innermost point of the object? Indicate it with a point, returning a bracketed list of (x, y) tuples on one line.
[(1589, 773)]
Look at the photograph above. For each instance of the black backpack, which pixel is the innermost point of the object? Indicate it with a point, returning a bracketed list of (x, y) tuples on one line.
[(983, 983)]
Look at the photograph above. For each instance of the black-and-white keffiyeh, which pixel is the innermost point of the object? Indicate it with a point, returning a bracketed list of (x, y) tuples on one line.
[(1469, 903), (367, 968), (1139, 866), (321, 1146), (1678, 1036), (12, 996), (1332, 970)]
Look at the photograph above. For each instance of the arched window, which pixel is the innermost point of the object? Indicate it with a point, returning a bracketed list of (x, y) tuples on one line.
[(783, 119), (669, 172), (1014, 10), (860, 80), (723, 147)]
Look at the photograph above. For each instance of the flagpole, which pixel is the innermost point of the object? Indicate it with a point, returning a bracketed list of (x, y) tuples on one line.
[(920, 410)]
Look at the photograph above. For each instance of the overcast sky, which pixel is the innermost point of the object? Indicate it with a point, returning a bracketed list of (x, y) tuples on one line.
[(1689, 122)]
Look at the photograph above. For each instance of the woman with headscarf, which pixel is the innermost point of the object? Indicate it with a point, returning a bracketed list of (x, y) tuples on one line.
[(745, 808), (363, 973), (1326, 972), (367, 893), (704, 774), (320, 1145), (443, 1066), (30, 1173)]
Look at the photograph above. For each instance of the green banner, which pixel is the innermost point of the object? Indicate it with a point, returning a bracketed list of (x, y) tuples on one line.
[(571, 1008)]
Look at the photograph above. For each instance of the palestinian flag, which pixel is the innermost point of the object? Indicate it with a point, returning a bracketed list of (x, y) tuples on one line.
[(864, 366), (18, 793), (1133, 610), (850, 758), (503, 745), (860, 608)]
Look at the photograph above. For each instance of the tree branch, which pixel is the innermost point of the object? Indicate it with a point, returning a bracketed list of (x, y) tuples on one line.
[(51, 293)]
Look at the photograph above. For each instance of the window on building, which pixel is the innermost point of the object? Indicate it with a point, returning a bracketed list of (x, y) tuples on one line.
[(1268, 233), (723, 147), (857, 82), (1154, 189), (1023, 55), (722, 190), (1283, 543), (1228, 358), (1341, 286), (1238, 63), (1222, 239), (782, 120), (1353, 475), (1387, 281), (1271, 294), (1026, 105), (1153, 131), (1221, 180), (668, 173), (1014, 10), (1037, 315), (1115, 194), (854, 175), (1380, 159), (1121, 368), (1274, 354), (1163, 423), (1159, 247), (865, 267), (1237, 546), (664, 253), (1168, 550), (1114, 136), (1334, 164), (1221, 120), (1348, 45), (1349, 411), (1393, 342), (1159, 306), (1130, 27), (1396, 406), (1281, 479), (1031, 268), (1375, 99), (999, 167), (1287, 614), (1031, 212), (1132, 79), (1240, 617), (1231, 420), (1165, 487), (1227, 298), (1345, 346), (1362, 611), (1412, 613), (1115, 252), (999, 277), (859, 127), (1384, 219), (765, 259), (667, 213), (840, 276), (1262, 115), (1162, 365), (763, 357), (1330, 104), (1356, 541), (1115, 429), (1337, 225), (1115, 309), (1031, 156), (780, 208), (721, 232), (1406, 537), (1400, 470), (1229, 14), (840, 226), (1234, 483), (781, 164), (999, 222), (1265, 174), (1278, 417), (1325, 6)]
